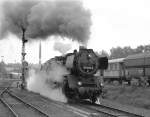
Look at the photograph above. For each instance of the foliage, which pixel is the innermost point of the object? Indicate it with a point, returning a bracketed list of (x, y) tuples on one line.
[(119, 52), (102, 53)]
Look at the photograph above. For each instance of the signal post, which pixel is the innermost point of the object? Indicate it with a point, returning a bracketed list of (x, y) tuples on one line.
[(24, 63)]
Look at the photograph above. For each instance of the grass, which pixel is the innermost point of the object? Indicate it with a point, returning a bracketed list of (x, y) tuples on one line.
[(131, 95)]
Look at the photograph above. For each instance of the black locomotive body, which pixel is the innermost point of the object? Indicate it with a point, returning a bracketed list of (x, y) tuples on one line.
[(81, 81)]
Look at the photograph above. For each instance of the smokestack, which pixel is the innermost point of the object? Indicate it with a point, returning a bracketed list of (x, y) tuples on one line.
[(40, 53)]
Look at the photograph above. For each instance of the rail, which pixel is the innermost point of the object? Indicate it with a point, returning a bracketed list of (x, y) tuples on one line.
[(10, 108), (28, 104), (106, 110), (119, 110), (6, 90)]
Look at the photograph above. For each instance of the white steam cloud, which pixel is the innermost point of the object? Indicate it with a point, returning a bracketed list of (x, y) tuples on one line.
[(62, 47), (48, 83)]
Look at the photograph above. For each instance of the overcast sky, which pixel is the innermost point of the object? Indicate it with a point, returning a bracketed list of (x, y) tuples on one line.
[(114, 23), (120, 23)]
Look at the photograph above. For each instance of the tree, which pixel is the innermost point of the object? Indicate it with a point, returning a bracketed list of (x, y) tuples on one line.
[(139, 49), (116, 53), (121, 52), (147, 48), (102, 53)]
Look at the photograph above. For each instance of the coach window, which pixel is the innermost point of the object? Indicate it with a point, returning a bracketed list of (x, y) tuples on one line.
[(117, 66), (114, 67), (111, 66), (108, 67)]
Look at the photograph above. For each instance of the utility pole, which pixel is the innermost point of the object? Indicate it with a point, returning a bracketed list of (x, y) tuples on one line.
[(23, 85)]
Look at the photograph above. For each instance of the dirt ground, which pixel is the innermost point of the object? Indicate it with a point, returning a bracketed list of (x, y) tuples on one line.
[(129, 95)]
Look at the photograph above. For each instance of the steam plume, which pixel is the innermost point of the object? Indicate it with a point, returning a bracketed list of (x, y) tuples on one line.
[(48, 83), (15, 16), (42, 19), (62, 47)]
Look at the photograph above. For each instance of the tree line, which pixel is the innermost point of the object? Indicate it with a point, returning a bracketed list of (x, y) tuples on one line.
[(121, 52)]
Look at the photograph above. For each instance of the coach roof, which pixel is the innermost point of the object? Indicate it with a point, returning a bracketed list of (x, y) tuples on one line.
[(116, 60), (138, 56)]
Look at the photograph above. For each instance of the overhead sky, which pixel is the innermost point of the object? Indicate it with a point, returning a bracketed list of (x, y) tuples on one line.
[(119, 23), (114, 23)]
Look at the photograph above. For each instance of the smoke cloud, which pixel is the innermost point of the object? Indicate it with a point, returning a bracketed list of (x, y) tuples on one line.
[(65, 18), (15, 16), (61, 47), (48, 83)]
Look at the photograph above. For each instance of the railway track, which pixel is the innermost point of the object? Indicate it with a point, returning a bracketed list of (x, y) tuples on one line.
[(106, 110), (86, 109), (96, 110), (62, 106), (48, 103), (18, 107)]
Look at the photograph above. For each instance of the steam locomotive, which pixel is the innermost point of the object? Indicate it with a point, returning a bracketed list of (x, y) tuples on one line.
[(81, 81)]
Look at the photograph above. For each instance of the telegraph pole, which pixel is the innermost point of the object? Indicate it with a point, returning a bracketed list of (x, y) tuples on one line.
[(23, 85)]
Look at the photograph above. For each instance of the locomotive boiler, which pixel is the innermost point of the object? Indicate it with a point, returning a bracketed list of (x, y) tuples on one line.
[(81, 81)]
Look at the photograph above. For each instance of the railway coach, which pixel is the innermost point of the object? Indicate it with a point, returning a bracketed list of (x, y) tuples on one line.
[(133, 67), (115, 71), (138, 67)]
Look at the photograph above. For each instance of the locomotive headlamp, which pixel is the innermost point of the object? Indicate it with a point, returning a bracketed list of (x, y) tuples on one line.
[(90, 55), (102, 84), (79, 83)]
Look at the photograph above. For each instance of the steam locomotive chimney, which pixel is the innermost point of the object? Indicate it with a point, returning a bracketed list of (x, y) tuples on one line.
[(82, 47)]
